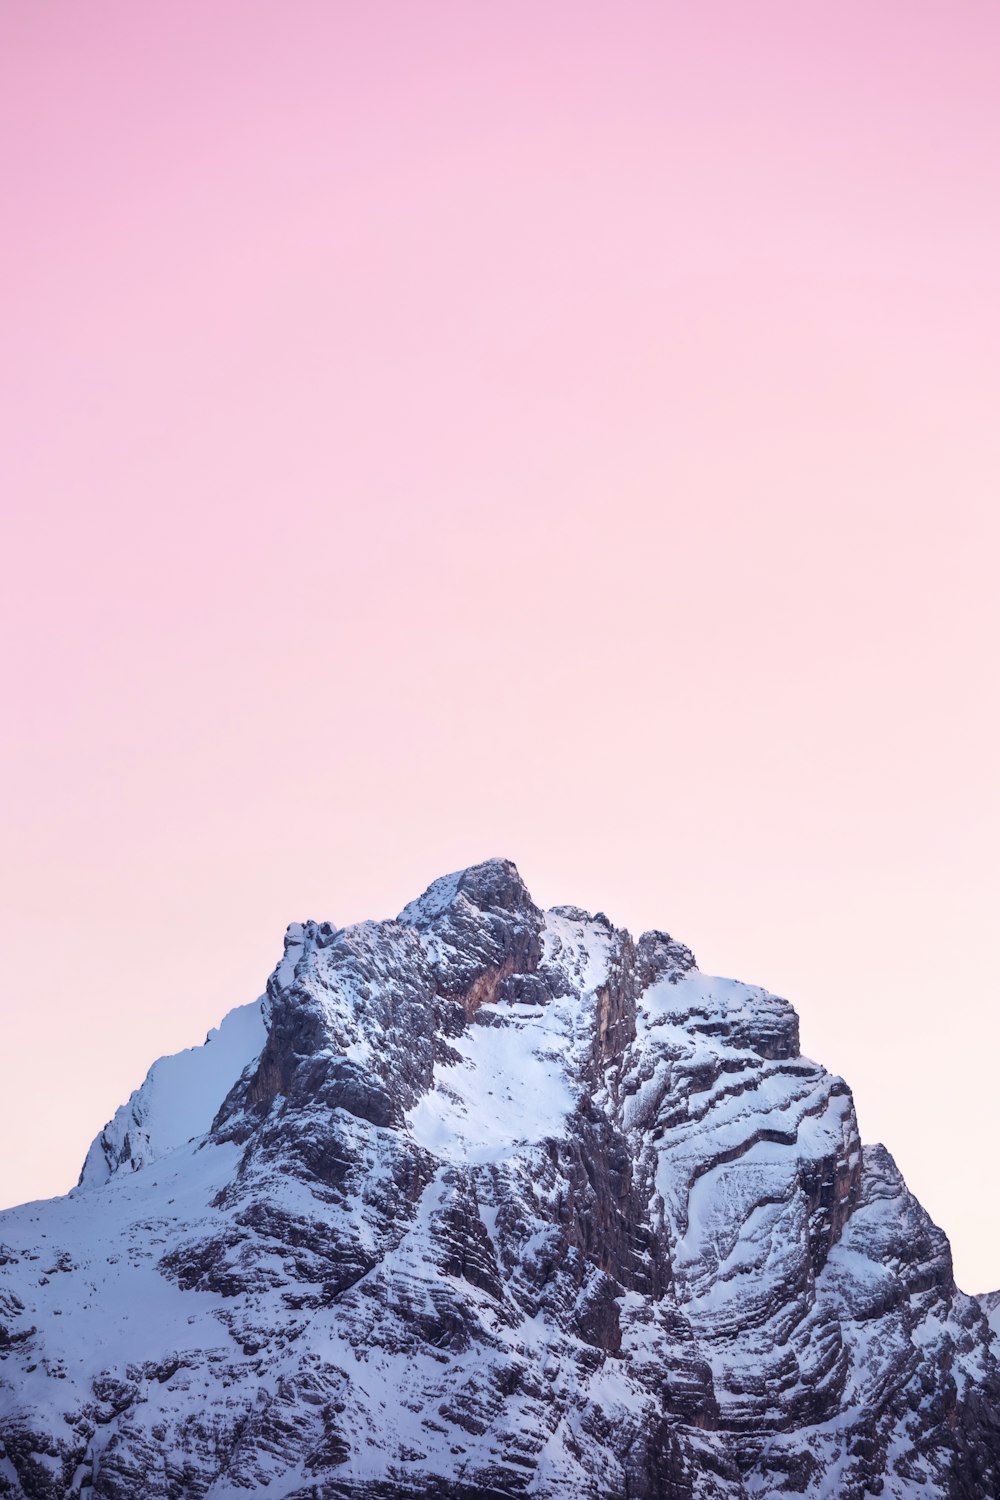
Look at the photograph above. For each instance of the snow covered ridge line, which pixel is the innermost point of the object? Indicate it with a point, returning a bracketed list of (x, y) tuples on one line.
[(484, 1202), (178, 1099)]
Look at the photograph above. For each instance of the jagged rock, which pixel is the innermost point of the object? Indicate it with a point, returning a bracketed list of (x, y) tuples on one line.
[(488, 1201)]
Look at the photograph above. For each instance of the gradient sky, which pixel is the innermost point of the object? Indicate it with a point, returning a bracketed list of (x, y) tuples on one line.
[(569, 431)]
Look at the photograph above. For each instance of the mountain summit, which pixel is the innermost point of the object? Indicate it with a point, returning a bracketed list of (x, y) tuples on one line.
[(484, 1202)]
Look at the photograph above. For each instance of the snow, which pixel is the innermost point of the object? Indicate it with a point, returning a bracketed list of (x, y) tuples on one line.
[(105, 1302), (512, 1086), (509, 1089), (179, 1098), (435, 901), (720, 1134), (990, 1304)]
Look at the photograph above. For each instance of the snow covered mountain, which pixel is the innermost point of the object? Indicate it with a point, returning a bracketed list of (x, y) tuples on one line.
[(483, 1202)]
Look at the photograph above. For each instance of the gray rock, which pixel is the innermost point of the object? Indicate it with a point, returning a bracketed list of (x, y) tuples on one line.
[(499, 1202)]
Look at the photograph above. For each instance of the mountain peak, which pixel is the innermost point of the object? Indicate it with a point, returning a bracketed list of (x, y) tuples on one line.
[(494, 884), (485, 1201)]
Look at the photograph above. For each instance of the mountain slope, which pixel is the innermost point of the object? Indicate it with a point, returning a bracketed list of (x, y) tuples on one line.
[(487, 1201)]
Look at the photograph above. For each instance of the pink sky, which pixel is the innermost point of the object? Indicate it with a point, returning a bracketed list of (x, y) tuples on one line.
[(563, 431)]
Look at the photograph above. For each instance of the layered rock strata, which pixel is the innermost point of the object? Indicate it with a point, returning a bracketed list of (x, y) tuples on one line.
[(485, 1202)]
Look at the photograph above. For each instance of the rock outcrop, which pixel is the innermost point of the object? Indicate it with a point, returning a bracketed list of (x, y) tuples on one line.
[(484, 1202)]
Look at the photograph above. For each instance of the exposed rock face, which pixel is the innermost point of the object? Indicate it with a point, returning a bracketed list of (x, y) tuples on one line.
[(484, 1202)]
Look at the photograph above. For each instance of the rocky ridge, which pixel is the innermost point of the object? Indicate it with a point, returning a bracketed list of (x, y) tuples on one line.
[(483, 1202)]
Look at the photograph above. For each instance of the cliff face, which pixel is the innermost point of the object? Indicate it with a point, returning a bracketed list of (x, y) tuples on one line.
[(487, 1201)]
